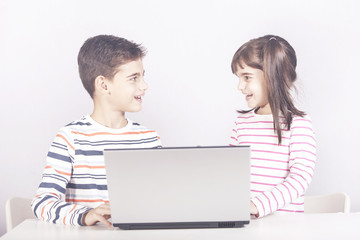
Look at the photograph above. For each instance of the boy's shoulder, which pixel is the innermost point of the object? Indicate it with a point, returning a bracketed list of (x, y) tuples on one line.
[(137, 126), (87, 125), (87, 131), (83, 121), (77, 124)]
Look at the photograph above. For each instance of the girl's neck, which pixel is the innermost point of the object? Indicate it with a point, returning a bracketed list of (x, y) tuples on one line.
[(264, 110)]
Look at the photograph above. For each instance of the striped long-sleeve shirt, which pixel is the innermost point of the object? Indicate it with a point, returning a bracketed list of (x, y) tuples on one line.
[(74, 179), (280, 174)]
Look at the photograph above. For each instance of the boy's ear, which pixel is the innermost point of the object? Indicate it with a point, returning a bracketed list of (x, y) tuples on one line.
[(101, 85)]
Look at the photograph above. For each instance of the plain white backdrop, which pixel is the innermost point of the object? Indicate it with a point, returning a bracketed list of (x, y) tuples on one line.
[(192, 94)]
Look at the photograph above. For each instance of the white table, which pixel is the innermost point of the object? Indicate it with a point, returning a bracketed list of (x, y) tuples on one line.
[(298, 226)]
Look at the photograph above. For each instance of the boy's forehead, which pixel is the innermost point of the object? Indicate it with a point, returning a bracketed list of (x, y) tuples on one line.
[(130, 66)]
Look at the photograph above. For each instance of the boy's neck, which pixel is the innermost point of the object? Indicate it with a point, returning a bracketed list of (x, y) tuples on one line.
[(115, 120)]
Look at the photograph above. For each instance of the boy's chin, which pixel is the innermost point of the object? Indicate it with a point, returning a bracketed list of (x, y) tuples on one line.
[(134, 110)]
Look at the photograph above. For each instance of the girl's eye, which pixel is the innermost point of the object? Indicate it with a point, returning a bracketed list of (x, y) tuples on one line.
[(133, 79)]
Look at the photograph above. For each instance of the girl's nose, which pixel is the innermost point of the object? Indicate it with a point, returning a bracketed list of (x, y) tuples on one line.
[(241, 85)]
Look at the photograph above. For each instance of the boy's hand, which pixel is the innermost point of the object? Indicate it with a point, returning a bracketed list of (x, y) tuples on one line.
[(99, 214)]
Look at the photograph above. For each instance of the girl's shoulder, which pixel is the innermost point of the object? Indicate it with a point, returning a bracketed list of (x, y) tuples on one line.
[(302, 121), (252, 116), (245, 116), (305, 117)]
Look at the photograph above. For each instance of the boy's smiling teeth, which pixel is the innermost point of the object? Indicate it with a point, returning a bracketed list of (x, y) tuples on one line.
[(138, 97)]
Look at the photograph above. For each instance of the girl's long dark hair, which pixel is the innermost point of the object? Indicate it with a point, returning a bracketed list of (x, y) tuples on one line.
[(277, 59)]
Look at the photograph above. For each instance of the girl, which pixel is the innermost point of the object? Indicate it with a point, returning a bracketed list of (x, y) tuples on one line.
[(283, 147)]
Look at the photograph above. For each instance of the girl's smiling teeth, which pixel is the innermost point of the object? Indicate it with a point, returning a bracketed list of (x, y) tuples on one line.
[(248, 96)]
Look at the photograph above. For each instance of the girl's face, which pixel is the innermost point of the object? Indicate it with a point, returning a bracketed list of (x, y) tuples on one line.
[(253, 85)]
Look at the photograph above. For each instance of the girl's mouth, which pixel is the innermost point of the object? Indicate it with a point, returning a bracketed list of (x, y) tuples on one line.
[(248, 97)]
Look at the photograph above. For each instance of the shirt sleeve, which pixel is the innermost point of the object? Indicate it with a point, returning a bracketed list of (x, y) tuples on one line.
[(50, 204), (302, 156), (234, 136), (158, 141)]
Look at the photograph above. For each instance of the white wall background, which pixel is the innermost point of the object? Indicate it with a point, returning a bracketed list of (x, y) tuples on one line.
[(192, 96)]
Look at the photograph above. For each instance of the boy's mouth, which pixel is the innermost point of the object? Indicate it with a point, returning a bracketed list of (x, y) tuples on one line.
[(138, 98)]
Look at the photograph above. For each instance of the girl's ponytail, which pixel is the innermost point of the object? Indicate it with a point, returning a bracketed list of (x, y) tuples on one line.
[(279, 67)]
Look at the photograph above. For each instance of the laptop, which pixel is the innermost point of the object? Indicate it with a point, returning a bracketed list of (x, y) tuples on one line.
[(179, 187)]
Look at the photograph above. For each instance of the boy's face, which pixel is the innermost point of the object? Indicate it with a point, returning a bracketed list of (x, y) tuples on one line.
[(127, 88)]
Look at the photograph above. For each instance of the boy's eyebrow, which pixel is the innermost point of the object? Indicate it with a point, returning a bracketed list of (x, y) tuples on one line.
[(135, 74)]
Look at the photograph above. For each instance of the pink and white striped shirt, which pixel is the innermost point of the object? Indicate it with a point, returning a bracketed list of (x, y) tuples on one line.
[(280, 174)]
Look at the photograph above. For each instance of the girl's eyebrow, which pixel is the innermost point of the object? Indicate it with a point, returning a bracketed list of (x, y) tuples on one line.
[(246, 73)]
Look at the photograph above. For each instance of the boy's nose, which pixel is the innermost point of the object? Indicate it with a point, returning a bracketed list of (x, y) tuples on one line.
[(143, 85)]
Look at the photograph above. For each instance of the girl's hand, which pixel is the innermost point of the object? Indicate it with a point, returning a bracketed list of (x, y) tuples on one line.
[(253, 209), (100, 214)]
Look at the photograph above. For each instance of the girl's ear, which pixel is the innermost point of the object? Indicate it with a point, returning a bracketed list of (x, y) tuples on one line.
[(101, 85)]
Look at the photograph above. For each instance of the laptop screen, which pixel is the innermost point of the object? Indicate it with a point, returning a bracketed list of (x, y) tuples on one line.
[(179, 187)]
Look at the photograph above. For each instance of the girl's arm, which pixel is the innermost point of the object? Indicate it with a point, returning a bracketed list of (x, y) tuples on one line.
[(302, 156)]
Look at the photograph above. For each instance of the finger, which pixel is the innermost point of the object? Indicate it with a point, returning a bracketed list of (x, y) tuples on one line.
[(103, 210), (105, 205), (104, 220)]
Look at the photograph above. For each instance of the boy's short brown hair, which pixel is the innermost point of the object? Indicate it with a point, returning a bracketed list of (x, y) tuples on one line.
[(102, 55)]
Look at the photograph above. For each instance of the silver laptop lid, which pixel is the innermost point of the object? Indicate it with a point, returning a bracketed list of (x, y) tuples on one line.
[(185, 187)]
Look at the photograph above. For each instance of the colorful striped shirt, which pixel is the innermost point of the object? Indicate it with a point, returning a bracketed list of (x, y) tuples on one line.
[(280, 174), (74, 179)]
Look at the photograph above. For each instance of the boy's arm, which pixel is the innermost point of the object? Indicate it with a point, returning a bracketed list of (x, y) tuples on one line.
[(50, 204), (301, 163)]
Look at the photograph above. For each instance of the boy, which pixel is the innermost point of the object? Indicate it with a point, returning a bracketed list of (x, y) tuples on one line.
[(74, 187)]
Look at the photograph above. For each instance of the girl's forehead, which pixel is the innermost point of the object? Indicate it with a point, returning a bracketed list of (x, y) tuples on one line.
[(243, 67), (246, 70)]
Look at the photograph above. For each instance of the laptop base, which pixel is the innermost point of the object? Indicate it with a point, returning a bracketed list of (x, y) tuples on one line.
[(180, 225)]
